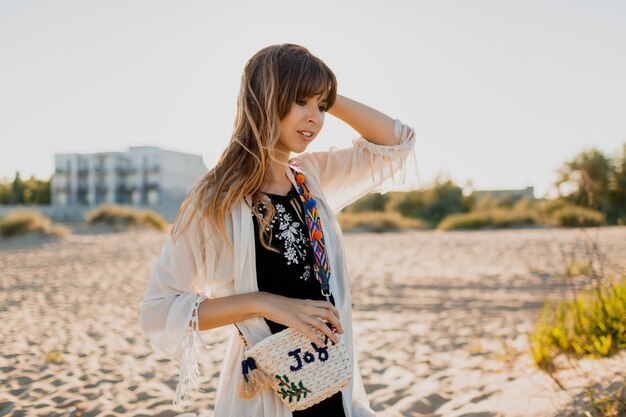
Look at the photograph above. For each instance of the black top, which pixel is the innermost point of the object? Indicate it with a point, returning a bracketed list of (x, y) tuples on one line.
[(290, 272)]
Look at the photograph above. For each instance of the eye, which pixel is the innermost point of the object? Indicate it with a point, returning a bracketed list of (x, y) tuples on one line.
[(323, 108), (301, 102)]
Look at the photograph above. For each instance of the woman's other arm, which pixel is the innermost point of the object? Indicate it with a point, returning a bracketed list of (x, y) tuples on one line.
[(291, 312)]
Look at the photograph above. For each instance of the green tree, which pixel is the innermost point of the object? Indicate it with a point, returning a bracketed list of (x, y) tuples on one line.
[(618, 188), (589, 175), (31, 191), (5, 192), (37, 191), (17, 190), (596, 181)]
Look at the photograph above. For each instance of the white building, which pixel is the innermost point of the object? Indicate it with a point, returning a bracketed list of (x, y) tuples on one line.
[(144, 176)]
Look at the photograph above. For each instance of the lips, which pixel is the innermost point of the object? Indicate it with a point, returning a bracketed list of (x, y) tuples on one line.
[(306, 134)]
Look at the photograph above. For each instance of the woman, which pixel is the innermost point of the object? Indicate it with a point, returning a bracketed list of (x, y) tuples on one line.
[(225, 262)]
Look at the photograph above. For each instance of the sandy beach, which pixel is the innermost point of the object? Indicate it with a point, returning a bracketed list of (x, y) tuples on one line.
[(441, 321)]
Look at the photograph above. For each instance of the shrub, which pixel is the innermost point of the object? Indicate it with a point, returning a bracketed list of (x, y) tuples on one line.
[(473, 220), (550, 206), (369, 202), (378, 222), (574, 216), (431, 204), (22, 221), (593, 324), (496, 217), (125, 217)]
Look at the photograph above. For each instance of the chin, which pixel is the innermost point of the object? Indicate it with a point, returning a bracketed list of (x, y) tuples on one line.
[(299, 149), (303, 149)]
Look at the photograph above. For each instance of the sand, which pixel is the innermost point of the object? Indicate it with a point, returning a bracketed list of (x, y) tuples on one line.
[(441, 321)]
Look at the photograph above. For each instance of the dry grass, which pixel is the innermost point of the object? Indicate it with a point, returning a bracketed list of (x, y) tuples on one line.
[(376, 221), (24, 221), (573, 216), (491, 218), (125, 217)]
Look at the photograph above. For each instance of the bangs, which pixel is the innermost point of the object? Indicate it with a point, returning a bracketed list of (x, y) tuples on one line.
[(315, 79), (303, 75)]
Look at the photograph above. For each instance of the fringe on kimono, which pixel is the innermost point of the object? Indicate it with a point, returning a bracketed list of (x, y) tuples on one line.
[(189, 367), (392, 156)]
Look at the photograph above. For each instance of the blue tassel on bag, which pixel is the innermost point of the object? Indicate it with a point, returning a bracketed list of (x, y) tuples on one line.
[(253, 381), (247, 365)]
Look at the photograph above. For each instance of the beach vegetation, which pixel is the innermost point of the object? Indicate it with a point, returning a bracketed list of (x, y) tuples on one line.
[(376, 221), (591, 320), (370, 202), (602, 404), (587, 322), (431, 204), (591, 188), (54, 357), (591, 325), (23, 221), (125, 217), (574, 216), (597, 181), (491, 218)]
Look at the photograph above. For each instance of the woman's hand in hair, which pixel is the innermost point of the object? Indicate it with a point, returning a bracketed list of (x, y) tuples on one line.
[(303, 315)]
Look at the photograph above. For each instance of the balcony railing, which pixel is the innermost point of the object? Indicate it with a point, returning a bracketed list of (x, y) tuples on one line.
[(63, 189), (153, 169), (126, 188), (125, 170)]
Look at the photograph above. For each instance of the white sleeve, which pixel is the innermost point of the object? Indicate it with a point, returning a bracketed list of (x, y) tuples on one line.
[(347, 174), (168, 312)]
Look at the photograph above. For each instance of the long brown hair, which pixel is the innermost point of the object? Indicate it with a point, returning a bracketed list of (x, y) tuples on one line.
[(273, 79)]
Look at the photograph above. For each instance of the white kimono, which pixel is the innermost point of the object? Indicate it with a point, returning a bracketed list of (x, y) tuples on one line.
[(168, 312)]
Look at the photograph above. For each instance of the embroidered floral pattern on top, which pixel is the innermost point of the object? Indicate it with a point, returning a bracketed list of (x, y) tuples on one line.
[(306, 274), (290, 233), (292, 236)]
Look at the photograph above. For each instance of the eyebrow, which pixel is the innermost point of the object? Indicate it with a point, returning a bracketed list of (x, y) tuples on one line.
[(321, 99)]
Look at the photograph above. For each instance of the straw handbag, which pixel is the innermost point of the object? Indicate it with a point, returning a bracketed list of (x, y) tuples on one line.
[(298, 370)]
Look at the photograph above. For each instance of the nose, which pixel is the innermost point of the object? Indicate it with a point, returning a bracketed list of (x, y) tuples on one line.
[(316, 116)]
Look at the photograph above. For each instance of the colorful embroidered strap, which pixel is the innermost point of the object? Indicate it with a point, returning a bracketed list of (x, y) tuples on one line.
[(316, 234)]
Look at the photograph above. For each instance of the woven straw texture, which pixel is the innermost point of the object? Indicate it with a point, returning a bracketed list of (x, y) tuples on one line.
[(302, 374)]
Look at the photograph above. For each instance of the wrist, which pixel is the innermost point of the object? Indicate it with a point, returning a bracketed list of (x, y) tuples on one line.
[(260, 303), (336, 108)]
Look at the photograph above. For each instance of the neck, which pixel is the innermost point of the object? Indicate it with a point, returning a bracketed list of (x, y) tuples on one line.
[(278, 181)]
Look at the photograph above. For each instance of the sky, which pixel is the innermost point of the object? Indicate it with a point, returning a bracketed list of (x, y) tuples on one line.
[(500, 93)]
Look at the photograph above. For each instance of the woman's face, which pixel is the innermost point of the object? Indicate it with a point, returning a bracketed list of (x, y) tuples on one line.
[(301, 125)]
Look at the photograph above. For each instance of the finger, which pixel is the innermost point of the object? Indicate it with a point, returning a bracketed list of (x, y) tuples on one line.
[(320, 329), (333, 309), (323, 304), (330, 318), (326, 306), (308, 330), (321, 325)]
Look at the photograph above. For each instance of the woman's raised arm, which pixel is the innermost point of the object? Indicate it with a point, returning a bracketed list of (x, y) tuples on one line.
[(372, 124), (379, 154)]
